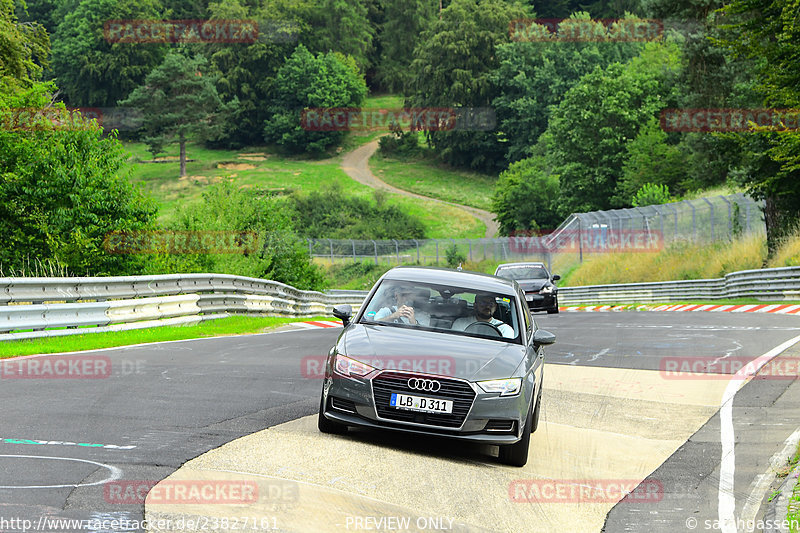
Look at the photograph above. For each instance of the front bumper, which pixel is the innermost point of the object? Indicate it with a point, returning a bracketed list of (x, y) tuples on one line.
[(538, 301), (489, 418)]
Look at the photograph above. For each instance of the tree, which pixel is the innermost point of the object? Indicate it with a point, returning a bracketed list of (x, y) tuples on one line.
[(247, 71), (306, 81), (534, 75), (23, 49), (179, 103), (526, 196), (63, 189), (404, 22), (342, 26), (768, 31), (452, 67), (651, 159), (92, 71), (590, 128)]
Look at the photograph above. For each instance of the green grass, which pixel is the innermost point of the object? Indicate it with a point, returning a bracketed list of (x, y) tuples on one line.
[(793, 514), (423, 175), (277, 173), (384, 101), (234, 325), (274, 172)]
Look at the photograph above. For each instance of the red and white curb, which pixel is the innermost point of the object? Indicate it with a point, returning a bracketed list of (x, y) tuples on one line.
[(783, 309), (312, 324)]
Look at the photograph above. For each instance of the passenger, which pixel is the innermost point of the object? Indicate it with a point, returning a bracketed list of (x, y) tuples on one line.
[(484, 308), (402, 310)]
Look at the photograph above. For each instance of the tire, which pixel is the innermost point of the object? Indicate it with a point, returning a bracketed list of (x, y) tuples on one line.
[(517, 454), (553, 310), (328, 426), (536, 410)]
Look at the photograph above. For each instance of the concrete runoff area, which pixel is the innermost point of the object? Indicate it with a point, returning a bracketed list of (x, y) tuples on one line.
[(600, 438)]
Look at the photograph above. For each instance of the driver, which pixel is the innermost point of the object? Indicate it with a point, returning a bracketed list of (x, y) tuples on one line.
[(484, 308)]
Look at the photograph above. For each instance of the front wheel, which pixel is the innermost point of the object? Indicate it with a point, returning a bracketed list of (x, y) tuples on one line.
[(553, 310), (517, 454), (328, 426)]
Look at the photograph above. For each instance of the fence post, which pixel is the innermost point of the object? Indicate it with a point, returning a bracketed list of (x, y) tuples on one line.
[(354, 249), (331, 243), (397, 251), (376, 251), (469, 243), (437, 252), (730, 217), (417, 243), (711, 206)]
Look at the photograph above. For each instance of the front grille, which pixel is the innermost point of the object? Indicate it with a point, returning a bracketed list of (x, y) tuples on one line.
[(452, 389)]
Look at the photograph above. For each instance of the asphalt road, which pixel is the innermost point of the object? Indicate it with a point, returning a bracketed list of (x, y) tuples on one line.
[(160, 405)]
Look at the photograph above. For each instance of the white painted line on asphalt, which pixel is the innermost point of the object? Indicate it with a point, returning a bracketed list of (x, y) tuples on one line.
[(114, 473), (727, 499), (762, 482)]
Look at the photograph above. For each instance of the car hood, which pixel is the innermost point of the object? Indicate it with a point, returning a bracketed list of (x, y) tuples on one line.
[(388, 347), (533, 284)]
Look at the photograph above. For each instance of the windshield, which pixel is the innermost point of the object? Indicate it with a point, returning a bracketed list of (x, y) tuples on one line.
[(452, 310), (524, 272)]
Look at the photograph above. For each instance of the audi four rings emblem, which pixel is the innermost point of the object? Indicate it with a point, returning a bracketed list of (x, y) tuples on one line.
[(430, 385)]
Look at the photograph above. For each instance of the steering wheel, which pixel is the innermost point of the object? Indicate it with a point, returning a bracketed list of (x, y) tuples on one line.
[(484, 328)]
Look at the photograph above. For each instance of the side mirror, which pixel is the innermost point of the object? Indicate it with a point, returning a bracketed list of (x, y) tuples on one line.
[(343, 312), (542, 337), (556, 277)]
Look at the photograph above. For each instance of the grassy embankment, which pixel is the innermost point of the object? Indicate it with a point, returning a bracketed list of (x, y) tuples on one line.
[(234, 325)]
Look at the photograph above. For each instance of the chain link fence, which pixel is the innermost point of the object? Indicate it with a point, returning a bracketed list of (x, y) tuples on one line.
[(638, 229)]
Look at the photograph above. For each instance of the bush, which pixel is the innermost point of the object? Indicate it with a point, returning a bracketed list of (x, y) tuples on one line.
[(278, 253), (331, 214), (651, 194), (454, 256), (62, 191), (399, 142)]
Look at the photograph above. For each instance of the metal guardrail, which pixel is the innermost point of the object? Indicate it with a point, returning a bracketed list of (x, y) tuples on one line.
[(769, 284), (40, 304)]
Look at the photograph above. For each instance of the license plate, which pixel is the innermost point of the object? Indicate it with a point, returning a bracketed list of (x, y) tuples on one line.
[(420, 403)]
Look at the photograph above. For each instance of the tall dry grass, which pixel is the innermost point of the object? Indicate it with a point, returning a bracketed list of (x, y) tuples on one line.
[(676, 262)]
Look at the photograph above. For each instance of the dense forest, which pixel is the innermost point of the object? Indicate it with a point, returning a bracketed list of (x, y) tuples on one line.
[(579, 120)]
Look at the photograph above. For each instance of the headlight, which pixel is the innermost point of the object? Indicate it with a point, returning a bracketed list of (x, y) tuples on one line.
[(506, 387), (350, 367), (547, 290)]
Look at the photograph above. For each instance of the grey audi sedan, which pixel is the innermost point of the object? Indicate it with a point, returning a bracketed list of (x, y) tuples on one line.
[(439, 352)]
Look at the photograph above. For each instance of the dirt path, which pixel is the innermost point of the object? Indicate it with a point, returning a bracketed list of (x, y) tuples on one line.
[(356, 165)]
